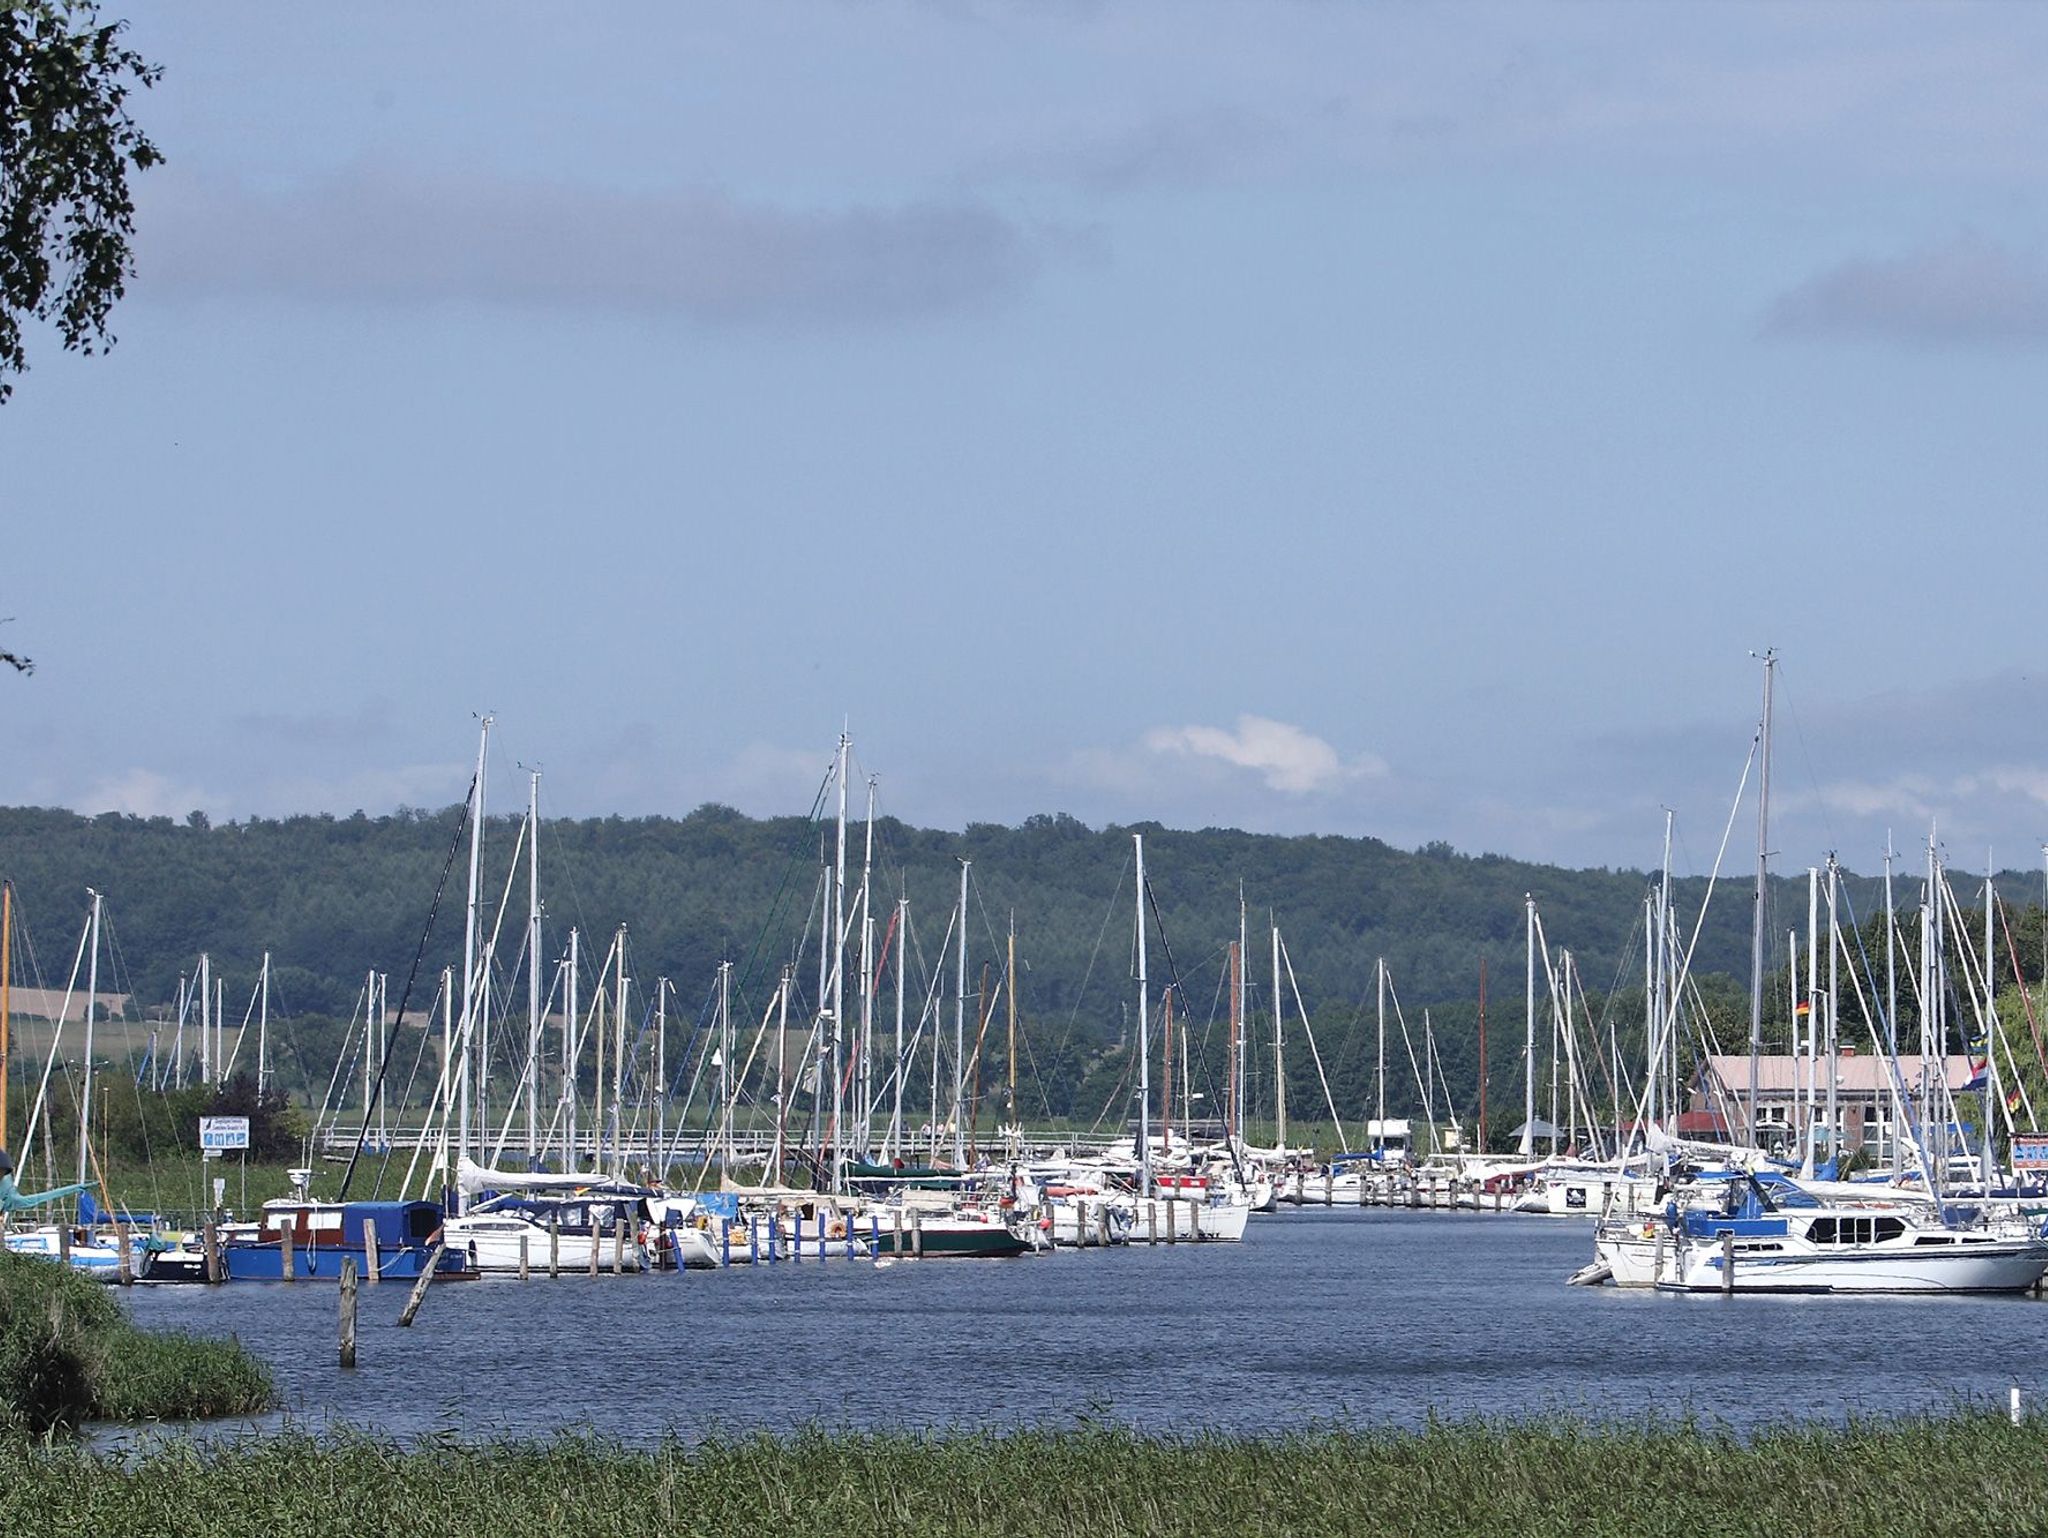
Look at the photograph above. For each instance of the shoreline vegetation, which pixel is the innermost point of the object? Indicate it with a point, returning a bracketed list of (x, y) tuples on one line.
[(69, 1354), (1969, 1472)]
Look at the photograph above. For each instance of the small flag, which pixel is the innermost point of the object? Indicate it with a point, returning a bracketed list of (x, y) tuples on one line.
[(2012, 1098), (1804, 1007)]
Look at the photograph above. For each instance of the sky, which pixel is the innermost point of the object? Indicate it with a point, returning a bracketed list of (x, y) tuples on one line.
[(1404, 420)]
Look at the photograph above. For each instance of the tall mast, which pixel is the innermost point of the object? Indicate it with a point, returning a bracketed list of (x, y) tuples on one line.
[(1243, 1031), (1834, 1031), (725, 1081), (1666, 1005), (1379, 1073), (781, 1065), (838, 1133), (1992, 1105), (960, 1031), (1279, 1067), (533, 1003), (1811, 1054), (263, 1032), (571, 1156), (661, 1075), (469, 978), (1144, 1034), (1756, 927), (1230, 1124), (205, 1018), (617, 1129), (1166, 1071), (1529, 1046), (1010, 990), (902, 1067), (1482, 1052), (865, 1048), (92, 999)]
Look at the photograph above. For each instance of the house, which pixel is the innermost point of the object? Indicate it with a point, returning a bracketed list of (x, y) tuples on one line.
[(1791, 1096)]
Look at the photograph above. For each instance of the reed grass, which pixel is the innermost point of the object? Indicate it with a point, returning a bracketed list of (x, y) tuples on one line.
[(1964, 1474), (68, 1354)]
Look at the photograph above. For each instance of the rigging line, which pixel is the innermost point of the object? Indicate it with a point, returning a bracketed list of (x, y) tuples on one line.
[(404, 998), (2020, 980)]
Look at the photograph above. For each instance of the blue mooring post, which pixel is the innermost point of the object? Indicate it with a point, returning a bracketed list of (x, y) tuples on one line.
[(822, 1226), (874, 1233), (668, 1233), (849, 1238), (796, 1249), (724, 1242), (754, 1237)]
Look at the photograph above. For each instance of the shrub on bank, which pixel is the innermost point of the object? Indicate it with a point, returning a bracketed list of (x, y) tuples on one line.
[(68, 1354)]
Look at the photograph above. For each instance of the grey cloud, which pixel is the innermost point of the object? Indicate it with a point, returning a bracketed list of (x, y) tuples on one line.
[(398, 238), (1969, 290)]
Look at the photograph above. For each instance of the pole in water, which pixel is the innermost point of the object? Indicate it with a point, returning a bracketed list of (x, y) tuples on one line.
[(348, 1311), (1728, 1265), (419, 1288)]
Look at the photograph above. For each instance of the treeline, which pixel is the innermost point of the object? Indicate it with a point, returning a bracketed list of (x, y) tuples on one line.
[(331, 898)]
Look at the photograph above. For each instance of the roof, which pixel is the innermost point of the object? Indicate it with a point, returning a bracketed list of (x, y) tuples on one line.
[(1855, 1073)]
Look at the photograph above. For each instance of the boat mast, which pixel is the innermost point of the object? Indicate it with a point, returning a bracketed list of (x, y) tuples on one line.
[(1991, 1101), (1144, 1033), (205, 1018), (1812, 1044), (959, 1031), (1230, 1122), (1279, 1068), (617, 1119), (1379, 1073), (1482, 1052), (1010, 990), (838, 1133), (263, 1032), (781, 1064), (1529, 1046), (902, 1067), (661, 1074), (571, 1155), (92, 999), (725, 1078), (533, 1002), (1243, 1024), (1756, 927), (866, 1047), (469, 979), (1166, 1072)]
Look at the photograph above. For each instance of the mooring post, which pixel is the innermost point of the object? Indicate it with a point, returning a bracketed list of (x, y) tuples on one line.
[(64, 1243), (1152, 1219), (288, 1254), (524, 1238), (1172, 1220), (917, 1235), (124, 1263), (419, 1288), (1329, 1184), (897, 1249), (348, 1311), (373, 1255), (796, 1236), (554, 1245), (618, 1247), (1728, 1265), (209, 1240)]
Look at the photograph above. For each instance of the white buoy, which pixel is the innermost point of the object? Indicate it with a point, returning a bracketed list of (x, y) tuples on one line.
[(2015, 1404)]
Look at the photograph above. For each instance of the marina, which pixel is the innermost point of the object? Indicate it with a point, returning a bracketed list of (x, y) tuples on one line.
[(1374, 1317)]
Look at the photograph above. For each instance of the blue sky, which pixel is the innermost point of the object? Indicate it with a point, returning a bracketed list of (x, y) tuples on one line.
[(1400, 420)]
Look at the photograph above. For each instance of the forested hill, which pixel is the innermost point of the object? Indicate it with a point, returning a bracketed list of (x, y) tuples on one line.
[(331, 898)]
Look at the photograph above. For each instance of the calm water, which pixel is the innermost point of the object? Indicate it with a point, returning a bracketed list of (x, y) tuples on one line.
[(1370, 1316)]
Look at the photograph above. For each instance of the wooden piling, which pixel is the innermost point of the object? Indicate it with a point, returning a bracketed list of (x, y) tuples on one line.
[(1195, 1221), (1152, 1219), (373, 1256), (1728, 1265), (618, 1247), (917, 1235), (209, 1239), (288, 1255), (1172, 1220), (1329, 1186), (596, 1246), (64, 1243), (124, 1263), (898, 1250), (524, 1240), (419, 1288), (1102, 1225), (554, 1246), (348, 1310), (1364, 1185)]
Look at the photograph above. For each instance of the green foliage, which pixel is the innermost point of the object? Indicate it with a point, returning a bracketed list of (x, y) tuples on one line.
[(67, 145), (331, 897), (68, 1355), (1971, 1473)]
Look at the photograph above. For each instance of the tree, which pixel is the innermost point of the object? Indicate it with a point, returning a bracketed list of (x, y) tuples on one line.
[(67, 145)]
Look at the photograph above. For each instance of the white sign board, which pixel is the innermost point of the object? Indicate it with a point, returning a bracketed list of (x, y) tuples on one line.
[(218, 1132)]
